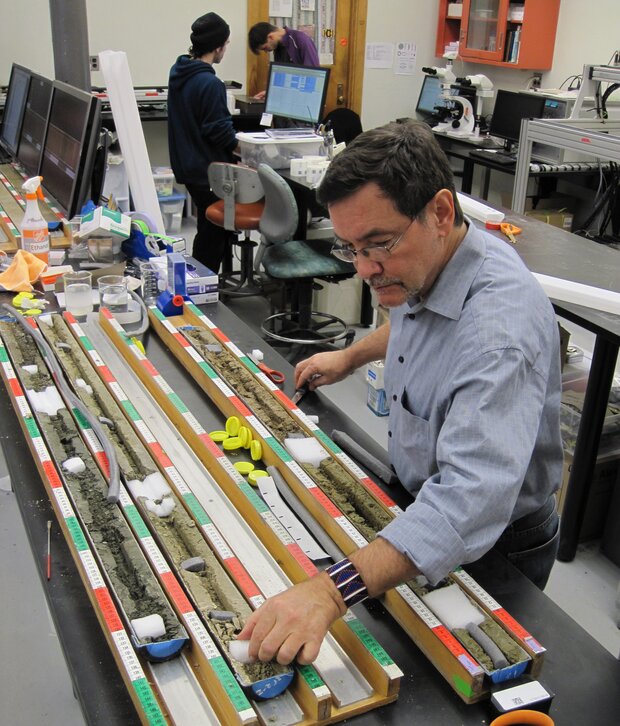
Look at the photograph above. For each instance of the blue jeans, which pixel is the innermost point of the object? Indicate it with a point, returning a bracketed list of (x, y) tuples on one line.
[(531, 543)]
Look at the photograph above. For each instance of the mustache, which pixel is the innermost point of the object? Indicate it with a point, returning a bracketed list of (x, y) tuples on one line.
[(382, 281)]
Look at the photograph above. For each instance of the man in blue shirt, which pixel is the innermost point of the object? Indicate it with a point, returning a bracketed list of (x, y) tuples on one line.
[(200, 128), (286, 44), (472, 371)]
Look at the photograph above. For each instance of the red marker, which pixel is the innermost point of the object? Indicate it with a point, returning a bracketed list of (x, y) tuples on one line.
[(49, 549)]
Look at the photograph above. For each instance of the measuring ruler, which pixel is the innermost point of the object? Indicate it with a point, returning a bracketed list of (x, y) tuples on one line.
[(280, 510)]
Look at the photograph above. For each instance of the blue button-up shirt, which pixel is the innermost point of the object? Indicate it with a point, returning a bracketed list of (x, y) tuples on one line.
[(473, 378)]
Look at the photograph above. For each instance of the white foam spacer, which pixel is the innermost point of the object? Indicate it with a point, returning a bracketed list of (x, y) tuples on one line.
[(74, 465), (453, 607), (238, 650), (257, 355), (149, 627), (306, 451)]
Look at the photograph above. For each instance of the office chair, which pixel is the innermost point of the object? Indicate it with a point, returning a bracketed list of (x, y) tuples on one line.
[(345, 124), (238, 210), (296, 264)]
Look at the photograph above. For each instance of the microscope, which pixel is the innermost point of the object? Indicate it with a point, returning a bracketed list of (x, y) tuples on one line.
[(483, 88), (458, 116)]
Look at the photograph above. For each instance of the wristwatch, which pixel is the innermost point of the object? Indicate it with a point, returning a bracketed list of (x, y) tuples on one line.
[(348, 581)]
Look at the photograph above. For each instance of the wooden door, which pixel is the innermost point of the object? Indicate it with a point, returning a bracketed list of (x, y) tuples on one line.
[(347, 71)]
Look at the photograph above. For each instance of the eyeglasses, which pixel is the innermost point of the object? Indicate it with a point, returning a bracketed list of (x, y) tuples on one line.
[(377, 253)]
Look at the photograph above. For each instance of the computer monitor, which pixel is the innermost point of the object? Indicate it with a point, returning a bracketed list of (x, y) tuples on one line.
[(14, 106), (70, 146), (296, 92), (510, 109), (430, 97), (34, 124)]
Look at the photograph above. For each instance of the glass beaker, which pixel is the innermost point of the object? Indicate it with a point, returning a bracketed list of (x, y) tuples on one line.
[(113, 293), (78, 292)]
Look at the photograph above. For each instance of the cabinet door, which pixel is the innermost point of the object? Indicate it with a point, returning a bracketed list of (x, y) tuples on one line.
[(483, 30)]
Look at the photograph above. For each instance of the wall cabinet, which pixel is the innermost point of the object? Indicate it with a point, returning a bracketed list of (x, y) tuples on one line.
[(500, 32)]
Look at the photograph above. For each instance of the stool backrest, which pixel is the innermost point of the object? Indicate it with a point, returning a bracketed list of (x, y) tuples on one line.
[(235, 184), (280, 218)]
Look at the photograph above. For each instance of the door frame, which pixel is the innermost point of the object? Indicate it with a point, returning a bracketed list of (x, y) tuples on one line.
[(257, 66)]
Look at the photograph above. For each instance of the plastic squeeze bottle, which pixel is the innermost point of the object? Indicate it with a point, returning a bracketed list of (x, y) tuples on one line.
[(34, 230)]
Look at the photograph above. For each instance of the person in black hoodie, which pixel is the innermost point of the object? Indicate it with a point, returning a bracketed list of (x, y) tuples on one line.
[(200, 128)]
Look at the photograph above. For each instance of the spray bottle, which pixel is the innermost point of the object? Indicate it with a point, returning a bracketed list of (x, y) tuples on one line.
[(34, 231)]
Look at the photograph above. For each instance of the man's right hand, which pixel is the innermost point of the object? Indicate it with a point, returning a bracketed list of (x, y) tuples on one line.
[(260, 96), (323, 368)]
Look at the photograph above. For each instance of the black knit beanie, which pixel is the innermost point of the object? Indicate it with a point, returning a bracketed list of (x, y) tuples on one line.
[(208, 33)]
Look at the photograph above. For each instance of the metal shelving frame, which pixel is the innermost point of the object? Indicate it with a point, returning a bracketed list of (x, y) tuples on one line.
[(596, 137)]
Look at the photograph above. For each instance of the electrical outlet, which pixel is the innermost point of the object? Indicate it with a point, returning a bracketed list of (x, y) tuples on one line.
[(536, 80), (94, 62)]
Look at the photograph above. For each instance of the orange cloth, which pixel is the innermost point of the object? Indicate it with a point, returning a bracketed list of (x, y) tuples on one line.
[(24, 270)]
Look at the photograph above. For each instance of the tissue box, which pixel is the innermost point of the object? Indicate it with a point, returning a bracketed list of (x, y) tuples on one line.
[(201, 283), (105, 222)]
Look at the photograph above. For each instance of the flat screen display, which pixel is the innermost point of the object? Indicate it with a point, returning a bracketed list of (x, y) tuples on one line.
[(34, 124), (510, 109), (430, 96), (69, 145), (16, 96), (296, 92)]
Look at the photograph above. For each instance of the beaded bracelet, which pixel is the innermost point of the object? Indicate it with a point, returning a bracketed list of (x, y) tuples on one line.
[(348, 581)]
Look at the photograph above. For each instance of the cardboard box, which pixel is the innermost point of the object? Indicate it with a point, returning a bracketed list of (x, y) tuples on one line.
[(556, 217), (343, 299), (104, 222)]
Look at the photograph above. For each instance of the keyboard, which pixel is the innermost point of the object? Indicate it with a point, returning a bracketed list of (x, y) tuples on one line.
[(497, 156), (296, 133)]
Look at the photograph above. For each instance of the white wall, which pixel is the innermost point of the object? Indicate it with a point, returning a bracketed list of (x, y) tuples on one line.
[(154, 32)]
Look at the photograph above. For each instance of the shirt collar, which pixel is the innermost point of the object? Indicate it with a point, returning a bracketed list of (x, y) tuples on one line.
[(448, 294)]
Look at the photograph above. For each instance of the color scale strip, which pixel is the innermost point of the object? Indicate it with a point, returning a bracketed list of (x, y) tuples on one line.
[(8, 221), (325, 440), (439, 630), (167, 578), (218, 542), (257, 503), (498, 611), (118, 635)]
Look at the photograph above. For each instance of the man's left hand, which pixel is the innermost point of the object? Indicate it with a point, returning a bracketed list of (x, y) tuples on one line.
[(293, 623)]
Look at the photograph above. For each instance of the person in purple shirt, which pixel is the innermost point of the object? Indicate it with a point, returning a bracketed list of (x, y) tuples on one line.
[(286, 44)]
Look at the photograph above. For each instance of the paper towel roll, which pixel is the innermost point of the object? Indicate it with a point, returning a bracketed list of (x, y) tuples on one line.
[(115, 69)]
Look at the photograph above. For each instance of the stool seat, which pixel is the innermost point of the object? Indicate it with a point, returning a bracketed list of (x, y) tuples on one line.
[(247, 216)]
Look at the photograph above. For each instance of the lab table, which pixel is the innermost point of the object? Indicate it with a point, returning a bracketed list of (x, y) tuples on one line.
[(583, 676)]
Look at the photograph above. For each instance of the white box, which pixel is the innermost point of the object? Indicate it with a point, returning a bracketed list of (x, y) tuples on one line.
[(343, 299), (164, 181), (376, 398), (105, 222), (202, 283), (259, 148)]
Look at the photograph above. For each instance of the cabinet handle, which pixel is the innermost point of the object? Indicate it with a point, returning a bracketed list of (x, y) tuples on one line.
[(501, 41)]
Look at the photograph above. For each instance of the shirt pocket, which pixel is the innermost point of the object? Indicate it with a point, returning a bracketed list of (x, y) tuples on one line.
[(410, 447)]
